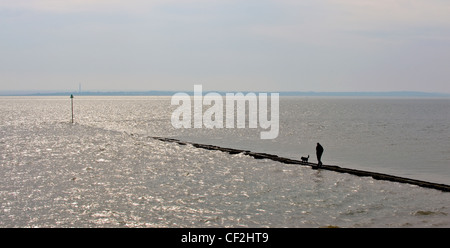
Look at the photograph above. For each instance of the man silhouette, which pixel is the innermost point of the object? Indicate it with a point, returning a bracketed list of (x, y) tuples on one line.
[(319, 152)]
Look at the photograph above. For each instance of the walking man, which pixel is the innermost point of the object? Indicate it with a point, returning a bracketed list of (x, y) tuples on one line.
[(319, 152)]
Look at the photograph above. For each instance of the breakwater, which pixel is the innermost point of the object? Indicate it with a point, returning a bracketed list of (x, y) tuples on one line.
[(360, 173)]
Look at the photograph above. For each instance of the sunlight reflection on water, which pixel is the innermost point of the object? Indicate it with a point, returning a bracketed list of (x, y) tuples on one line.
[(104, 172)]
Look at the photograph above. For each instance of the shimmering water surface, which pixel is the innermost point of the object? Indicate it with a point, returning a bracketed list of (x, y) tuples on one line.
[(104, 171)]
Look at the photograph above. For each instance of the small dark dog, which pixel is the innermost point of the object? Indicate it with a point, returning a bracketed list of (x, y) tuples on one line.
[(305, 159)]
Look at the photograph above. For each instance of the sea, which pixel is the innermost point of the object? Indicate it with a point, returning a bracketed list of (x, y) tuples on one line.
[(106, 170)]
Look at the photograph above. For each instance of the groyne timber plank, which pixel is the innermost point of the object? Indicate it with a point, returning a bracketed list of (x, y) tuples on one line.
[(360, 173)]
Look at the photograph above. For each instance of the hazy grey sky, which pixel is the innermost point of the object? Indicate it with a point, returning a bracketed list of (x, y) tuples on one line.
[(256, 45)]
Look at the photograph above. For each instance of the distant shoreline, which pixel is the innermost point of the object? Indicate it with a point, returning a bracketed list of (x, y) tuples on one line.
[(282, 93)]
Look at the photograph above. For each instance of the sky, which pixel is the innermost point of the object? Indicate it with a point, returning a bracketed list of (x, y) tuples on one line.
[(225, 45)]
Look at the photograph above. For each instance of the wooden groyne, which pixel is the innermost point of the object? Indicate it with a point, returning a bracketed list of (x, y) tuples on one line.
[(360, 173)]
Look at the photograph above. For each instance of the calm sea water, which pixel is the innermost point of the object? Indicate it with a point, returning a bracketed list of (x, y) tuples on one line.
[(104, 171)]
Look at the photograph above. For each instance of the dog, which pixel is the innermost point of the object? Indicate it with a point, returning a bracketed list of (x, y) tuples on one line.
[(305, 159)]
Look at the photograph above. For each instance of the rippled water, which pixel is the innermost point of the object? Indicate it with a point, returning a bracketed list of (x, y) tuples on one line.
[(104, 171)]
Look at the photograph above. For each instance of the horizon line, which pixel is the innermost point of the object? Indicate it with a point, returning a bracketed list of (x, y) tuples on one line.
[(171, 92)]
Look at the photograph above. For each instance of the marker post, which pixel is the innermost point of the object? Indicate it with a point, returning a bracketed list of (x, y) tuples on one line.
[(71, 99)]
